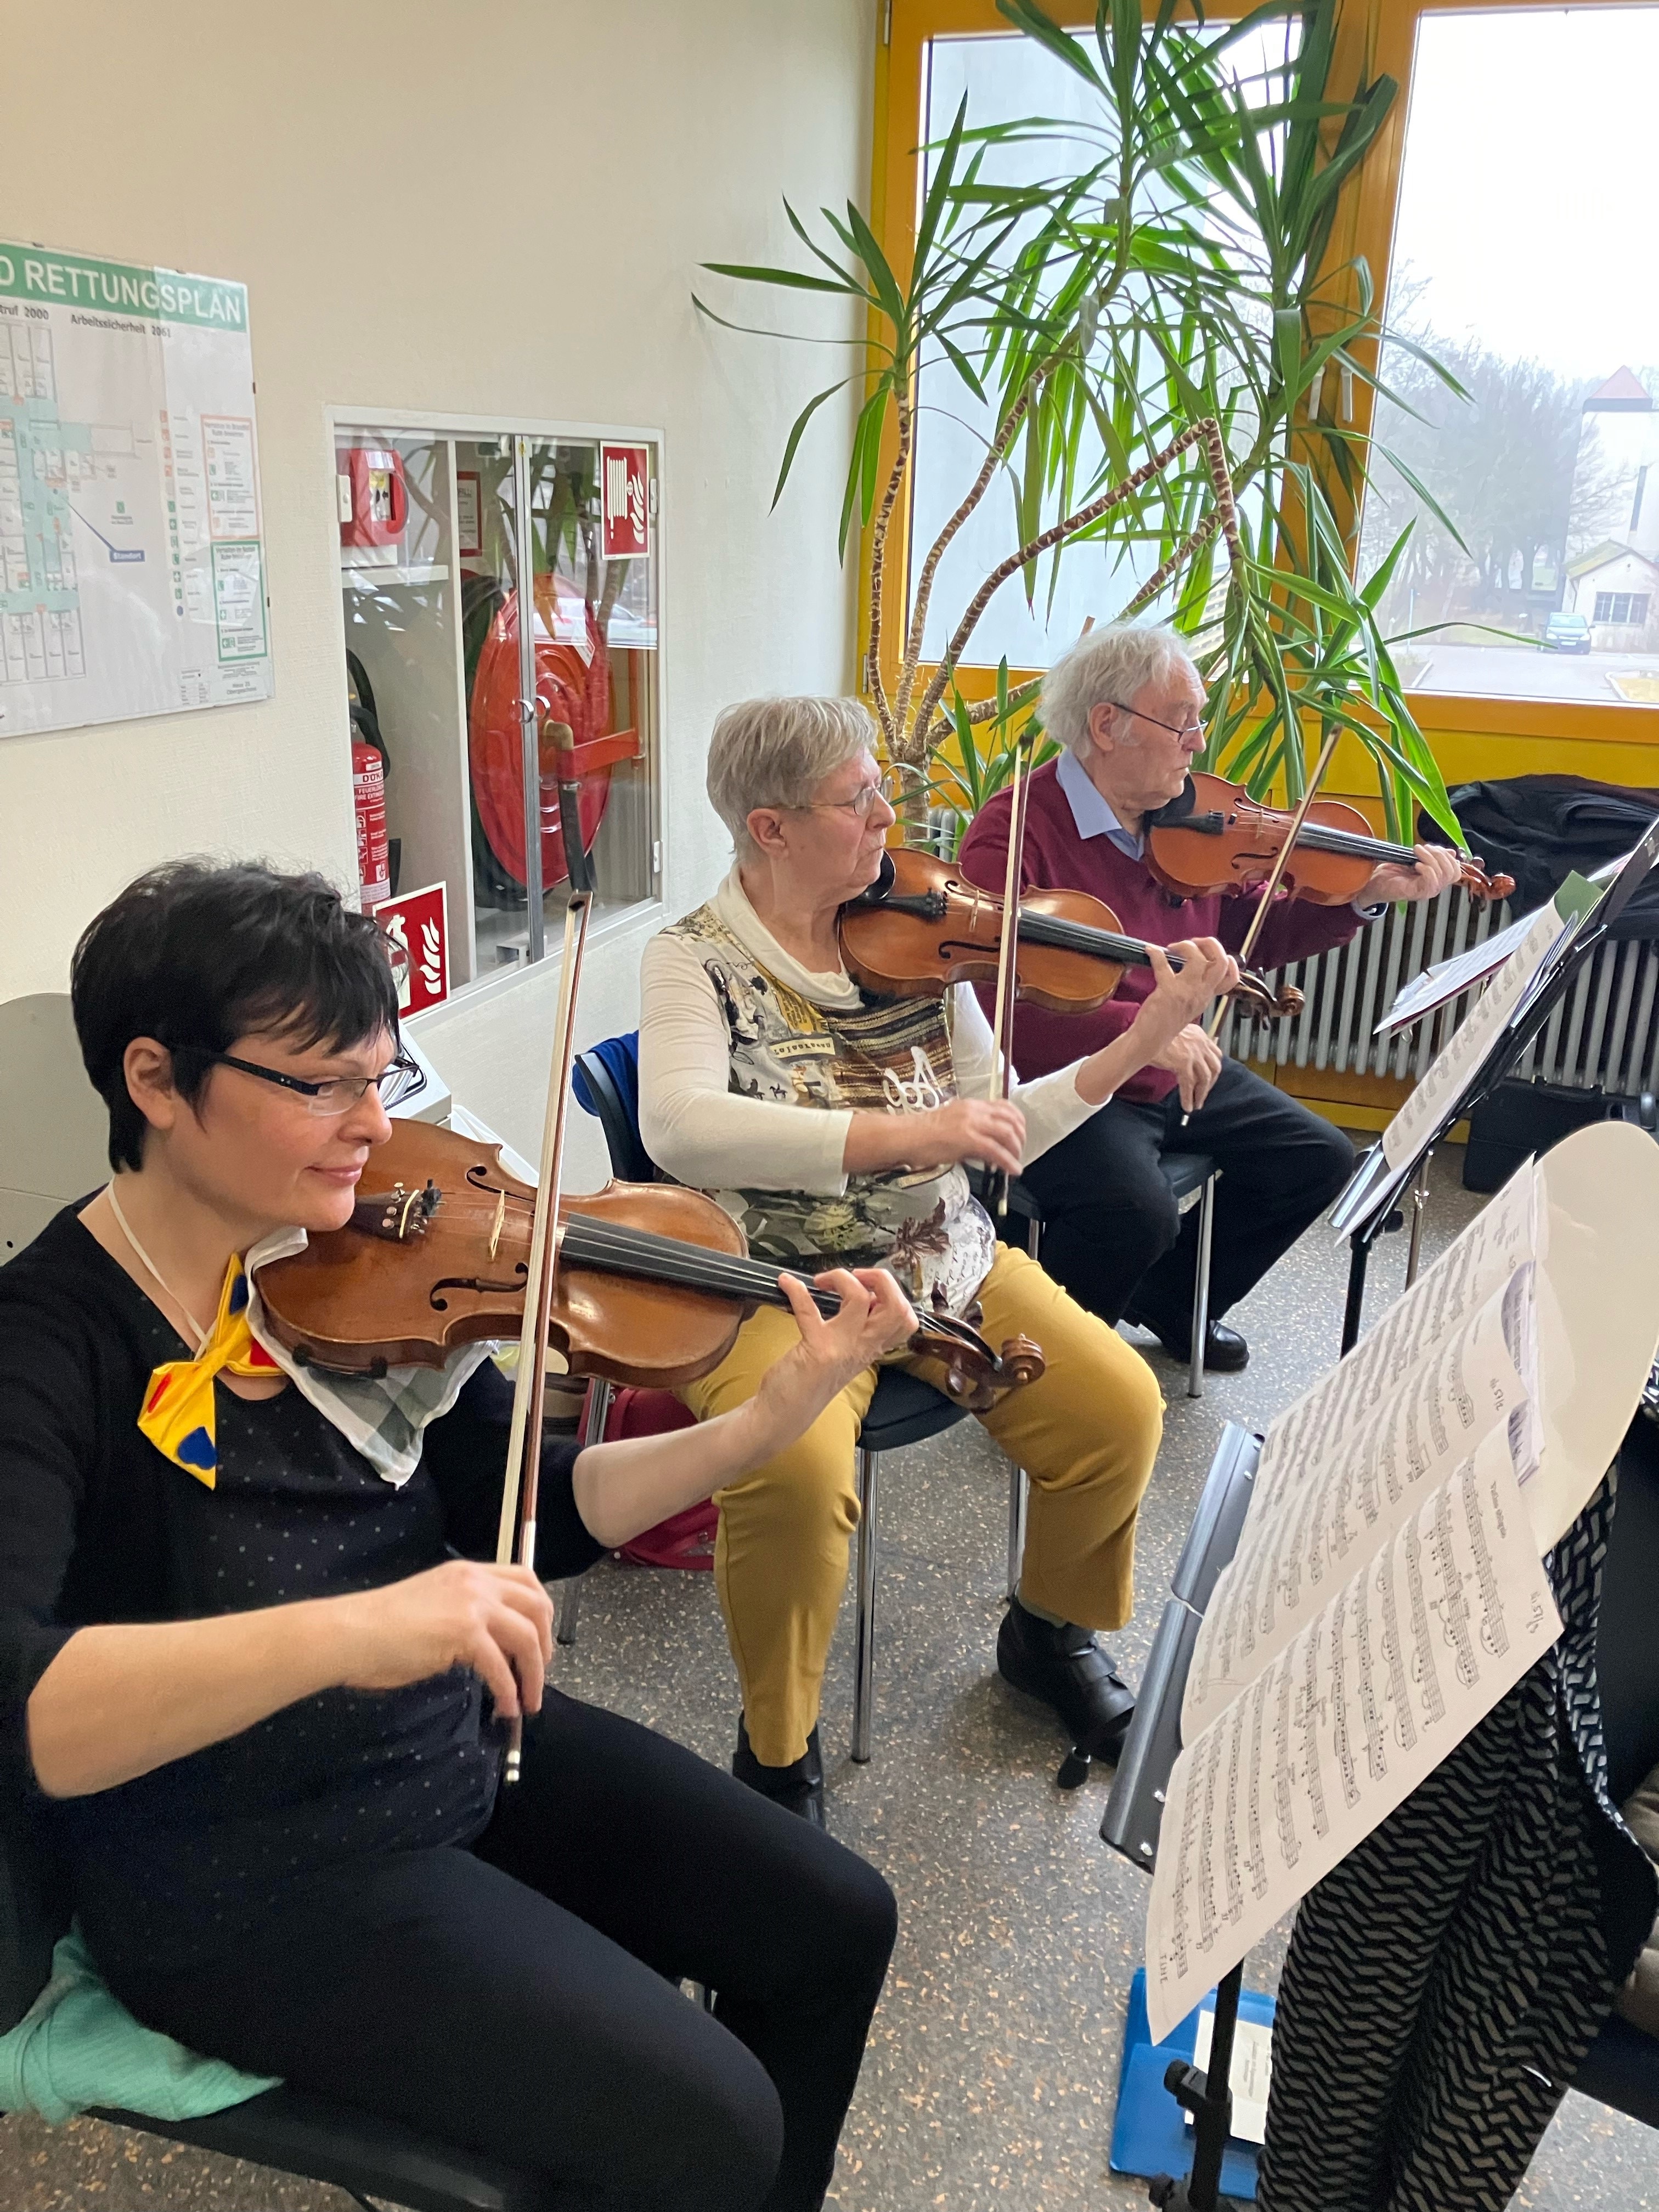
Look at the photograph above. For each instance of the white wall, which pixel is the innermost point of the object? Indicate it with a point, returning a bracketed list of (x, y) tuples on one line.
[(438, 208)]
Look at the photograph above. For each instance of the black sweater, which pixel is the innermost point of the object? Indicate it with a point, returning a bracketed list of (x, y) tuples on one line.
[(96, 1525)]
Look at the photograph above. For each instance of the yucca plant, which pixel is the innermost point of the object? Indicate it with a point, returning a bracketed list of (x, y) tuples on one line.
[(1166, 284)]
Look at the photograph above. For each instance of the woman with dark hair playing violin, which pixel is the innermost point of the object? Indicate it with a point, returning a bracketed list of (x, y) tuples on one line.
[(250, 1654)]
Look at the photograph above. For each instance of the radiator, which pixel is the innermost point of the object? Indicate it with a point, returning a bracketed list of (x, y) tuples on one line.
[(1604, 1034)]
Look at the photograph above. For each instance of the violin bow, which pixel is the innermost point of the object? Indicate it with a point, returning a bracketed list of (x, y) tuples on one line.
[(1275, 874), (517, 1532), (1002, 1026)]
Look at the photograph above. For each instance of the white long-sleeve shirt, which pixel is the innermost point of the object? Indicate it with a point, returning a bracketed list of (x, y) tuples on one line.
[(704, 1133)]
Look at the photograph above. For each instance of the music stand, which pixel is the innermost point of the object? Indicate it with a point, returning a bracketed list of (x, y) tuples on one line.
[(1134, 1811), (1369, 1204)]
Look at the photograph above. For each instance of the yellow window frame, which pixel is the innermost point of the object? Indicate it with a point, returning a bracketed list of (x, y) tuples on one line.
[(1471, 737)]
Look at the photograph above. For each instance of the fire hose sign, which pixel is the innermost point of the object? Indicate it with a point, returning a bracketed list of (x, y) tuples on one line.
[(417, 925)]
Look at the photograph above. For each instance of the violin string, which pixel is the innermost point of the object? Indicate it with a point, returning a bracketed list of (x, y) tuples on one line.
[(1317, 836), (692, 1267), (1081, 937), (620, 1247)]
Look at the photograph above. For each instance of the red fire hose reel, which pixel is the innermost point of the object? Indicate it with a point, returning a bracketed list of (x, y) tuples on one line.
[(573, 687)]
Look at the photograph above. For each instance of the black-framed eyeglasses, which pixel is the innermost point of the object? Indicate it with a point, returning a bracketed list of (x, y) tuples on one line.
[(1180, 730), (337, 1094)]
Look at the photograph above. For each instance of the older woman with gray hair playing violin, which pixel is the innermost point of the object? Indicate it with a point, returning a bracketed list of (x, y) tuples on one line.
[(831, 1122)]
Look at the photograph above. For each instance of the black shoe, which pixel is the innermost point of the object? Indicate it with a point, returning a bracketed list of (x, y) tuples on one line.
[(1226, 1352), (799, 1788), (1070, 1672)]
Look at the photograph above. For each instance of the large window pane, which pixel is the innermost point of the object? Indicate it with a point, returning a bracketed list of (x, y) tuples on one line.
[(1004, 78), (1522, 264)]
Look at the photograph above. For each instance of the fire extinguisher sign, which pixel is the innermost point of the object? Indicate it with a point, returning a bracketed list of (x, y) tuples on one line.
[(625, 501), (417, 925)]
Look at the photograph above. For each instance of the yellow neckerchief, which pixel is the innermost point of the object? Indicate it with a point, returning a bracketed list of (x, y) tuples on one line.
[(177, 1415)]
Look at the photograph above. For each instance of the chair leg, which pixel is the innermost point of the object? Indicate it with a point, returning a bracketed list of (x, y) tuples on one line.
[(1018, 1490), (570, 1592), (864, 1654), (1201, 1290)]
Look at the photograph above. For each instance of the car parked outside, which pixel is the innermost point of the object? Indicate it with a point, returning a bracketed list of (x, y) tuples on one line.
[(1567, 634)]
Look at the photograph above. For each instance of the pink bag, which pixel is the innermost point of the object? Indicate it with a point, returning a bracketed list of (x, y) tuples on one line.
[(684, 1539)]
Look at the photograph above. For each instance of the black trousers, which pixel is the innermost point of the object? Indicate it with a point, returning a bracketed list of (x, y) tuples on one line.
[(1111, 1235), (520, 1997)]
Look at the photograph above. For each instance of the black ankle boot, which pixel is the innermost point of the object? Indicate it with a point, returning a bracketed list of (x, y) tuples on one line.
[(799, 1788), (1070, 1672)]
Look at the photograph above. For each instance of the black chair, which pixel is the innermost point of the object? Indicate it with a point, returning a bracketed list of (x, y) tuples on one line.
[(320, 2140), (290, 2129), (1621, 2066)]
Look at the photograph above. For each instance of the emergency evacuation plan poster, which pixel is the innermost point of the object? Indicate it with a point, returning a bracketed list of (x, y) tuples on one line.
[(131, 555)]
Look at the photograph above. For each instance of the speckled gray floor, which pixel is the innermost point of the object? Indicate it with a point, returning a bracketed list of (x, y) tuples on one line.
[(992, 2071)]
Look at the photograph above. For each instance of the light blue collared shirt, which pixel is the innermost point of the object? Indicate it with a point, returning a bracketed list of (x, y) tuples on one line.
[(1093, 817)]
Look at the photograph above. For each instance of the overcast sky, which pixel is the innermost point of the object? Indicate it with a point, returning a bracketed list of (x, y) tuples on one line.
[(1529, 193)]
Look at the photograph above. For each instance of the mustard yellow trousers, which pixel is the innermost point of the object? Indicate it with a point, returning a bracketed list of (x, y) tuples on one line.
[(1086, 1435)]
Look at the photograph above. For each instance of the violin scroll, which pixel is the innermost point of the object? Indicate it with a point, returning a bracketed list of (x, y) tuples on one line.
[(1257, 996), (1480, 885), (965, 1367)]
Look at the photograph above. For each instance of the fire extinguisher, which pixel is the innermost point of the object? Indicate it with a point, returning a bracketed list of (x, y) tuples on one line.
[(368, 767)]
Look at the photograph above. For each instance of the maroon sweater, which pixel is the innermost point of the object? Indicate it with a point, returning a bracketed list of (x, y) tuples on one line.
[(1056, 858)]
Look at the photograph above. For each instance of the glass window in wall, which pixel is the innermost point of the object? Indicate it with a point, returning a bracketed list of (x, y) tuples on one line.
[(1539, 576), (1004, 78), (479, 725)]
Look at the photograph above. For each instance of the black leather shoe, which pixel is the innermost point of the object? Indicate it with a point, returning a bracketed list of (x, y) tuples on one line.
[(799, 1788), (1071, 1673), (1226, 1352)]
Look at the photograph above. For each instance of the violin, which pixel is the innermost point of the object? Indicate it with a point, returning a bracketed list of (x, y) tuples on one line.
[(651, 1281), (1215, 838), (921, 926)]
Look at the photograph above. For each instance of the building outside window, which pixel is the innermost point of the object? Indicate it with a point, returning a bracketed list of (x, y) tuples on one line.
[(1543, 468)]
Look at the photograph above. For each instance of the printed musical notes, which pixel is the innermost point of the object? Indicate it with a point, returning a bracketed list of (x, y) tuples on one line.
[(1358, 1708), (1386, 1589)]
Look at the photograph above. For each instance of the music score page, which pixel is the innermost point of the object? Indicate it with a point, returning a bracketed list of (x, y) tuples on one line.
[(1357, 1710)]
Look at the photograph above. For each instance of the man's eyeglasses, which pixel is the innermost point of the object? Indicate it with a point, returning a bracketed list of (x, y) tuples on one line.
[(886, 787), (1175, 730), (330, 1099)]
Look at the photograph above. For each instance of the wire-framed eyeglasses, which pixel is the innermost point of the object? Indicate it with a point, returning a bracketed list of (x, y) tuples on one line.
[(886, 787), (1176, 729), (331, 1098)]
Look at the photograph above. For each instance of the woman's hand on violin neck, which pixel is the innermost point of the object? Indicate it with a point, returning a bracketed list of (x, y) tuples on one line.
[(1178, 996), (875, 1317), (992, 1131), (1437, 870), (498, 1621)]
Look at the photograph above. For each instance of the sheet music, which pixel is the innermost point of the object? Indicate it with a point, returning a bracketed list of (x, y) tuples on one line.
[(1449, 1072), (1393, 1672), (1480, 1261), (1477, 1394), (1439, 984)]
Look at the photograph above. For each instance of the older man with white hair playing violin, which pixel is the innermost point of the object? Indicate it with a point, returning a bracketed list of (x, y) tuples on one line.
[(1127, 705)]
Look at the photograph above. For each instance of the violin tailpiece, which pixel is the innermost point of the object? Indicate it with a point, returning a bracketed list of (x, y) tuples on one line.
[(398, 1216)]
